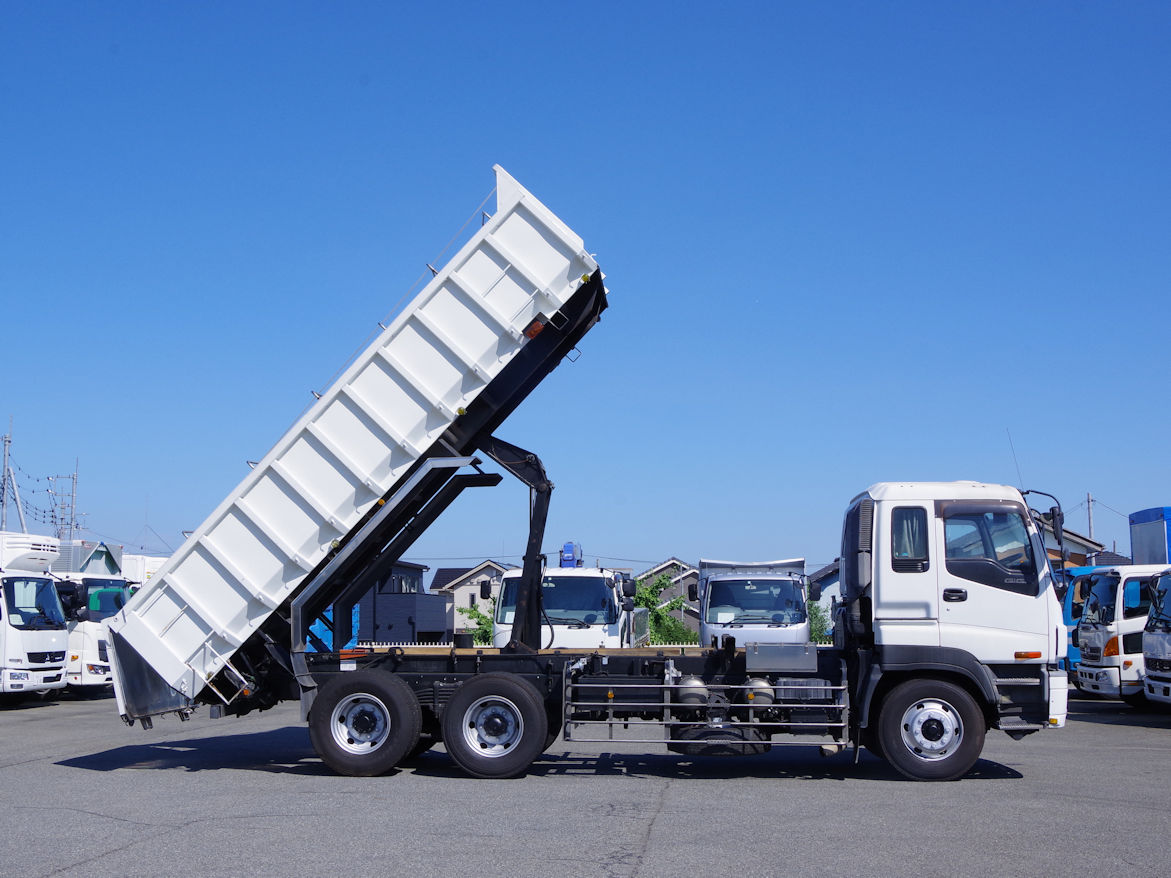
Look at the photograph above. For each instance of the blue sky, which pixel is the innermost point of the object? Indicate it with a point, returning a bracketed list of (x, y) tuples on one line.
[(845, 243)]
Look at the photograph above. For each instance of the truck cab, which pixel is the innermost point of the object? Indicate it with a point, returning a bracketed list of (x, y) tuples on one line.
[(945, 584), (1157, 642), (1110, 630), (752, 602), (583, 607), (32, 623), (88, 600)]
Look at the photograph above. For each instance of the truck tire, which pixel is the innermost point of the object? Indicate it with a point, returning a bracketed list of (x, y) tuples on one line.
[(930, 730), (495, 725), (364, 722)]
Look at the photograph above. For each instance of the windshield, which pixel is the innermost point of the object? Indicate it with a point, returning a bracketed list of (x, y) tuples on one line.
[(1160, 614), (1101, 594), (568, 600), (32, 604), (771, 601), (104, 597)]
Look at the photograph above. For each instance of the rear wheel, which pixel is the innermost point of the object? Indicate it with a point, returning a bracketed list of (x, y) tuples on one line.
[(930, 730), (364, 722), (495, 725)]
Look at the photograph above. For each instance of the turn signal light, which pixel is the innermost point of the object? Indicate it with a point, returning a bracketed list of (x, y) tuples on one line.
[(1022, 656), (1111, 647), (534, 329)]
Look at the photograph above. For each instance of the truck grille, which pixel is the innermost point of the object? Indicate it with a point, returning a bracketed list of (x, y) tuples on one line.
[(1159, 665), (45, 658), (1091, 653)]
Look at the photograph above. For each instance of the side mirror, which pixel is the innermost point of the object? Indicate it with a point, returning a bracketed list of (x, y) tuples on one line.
[(692, 591), (1057, 519), (629, 587), (628, 605), (814, 593), (485, 590), (83, 614)]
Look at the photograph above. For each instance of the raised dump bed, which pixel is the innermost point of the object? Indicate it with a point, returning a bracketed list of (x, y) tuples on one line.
[(405, 398)]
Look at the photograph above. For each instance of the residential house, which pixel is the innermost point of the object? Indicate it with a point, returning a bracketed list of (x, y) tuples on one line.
[(461, 587), (682, 575)]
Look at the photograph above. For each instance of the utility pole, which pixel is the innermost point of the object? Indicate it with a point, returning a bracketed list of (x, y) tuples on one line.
[(64, 507), (4, 479), (1090, 513), (8, 485)]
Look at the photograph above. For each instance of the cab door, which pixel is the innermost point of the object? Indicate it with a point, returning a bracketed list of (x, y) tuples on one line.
[(993, 600)]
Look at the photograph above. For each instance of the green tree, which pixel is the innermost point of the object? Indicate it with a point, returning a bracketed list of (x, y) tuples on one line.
[(482, 632), (818, 623), (665, 628)]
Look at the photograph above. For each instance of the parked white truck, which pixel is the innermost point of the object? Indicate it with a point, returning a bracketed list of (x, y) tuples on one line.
[(949, 627), (33, 638), (583, 607), (138, 569), (88, 600), (1110, 630), (752, 602), (1157, 642)]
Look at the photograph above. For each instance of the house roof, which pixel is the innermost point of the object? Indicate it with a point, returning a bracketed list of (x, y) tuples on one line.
[(1084, 542), (449, 578), (1109, 559), (662, 566), (827, 572)]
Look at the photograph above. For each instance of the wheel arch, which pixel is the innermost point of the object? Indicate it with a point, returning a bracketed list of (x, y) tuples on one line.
[(916, 663)]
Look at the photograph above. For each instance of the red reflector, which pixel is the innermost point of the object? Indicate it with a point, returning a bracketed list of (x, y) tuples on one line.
[(534, 329), (1028, 655)]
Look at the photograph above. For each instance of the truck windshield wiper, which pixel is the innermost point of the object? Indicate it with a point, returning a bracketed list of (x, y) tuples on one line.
[(571, 622)]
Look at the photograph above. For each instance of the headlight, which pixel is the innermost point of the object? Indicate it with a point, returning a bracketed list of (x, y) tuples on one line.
[(101, 670), (18, 675)]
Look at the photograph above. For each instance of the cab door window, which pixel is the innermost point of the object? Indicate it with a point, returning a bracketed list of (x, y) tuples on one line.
[(992, 548), (1136, 598)]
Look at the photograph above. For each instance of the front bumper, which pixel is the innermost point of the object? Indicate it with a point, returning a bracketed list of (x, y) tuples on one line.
[(1106, 681), (31, 679), (1157, 687)]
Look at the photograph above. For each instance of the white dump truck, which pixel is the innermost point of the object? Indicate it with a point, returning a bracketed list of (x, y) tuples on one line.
[(33, 637), (753, 602), (949, 625)]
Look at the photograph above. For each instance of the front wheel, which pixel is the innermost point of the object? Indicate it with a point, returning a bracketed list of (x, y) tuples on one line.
[(930, 730), (495, 725), (364, 722)]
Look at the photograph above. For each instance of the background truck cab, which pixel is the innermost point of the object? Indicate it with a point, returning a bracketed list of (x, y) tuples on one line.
[(583, 607), (1110, 630), (32, 623), (752, 602), (1157, 642)]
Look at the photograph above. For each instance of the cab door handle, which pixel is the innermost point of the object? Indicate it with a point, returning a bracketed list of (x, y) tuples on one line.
[(955, 595)]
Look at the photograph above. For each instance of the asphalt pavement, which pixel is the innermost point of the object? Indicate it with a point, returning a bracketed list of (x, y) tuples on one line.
[(82, 794)]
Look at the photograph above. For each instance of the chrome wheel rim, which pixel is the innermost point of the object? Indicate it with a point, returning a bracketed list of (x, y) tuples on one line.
[(360, 724), (493, 726), (932, 729)]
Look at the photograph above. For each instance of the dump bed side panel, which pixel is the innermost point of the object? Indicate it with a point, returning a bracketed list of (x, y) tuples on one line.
[(355, 443)]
